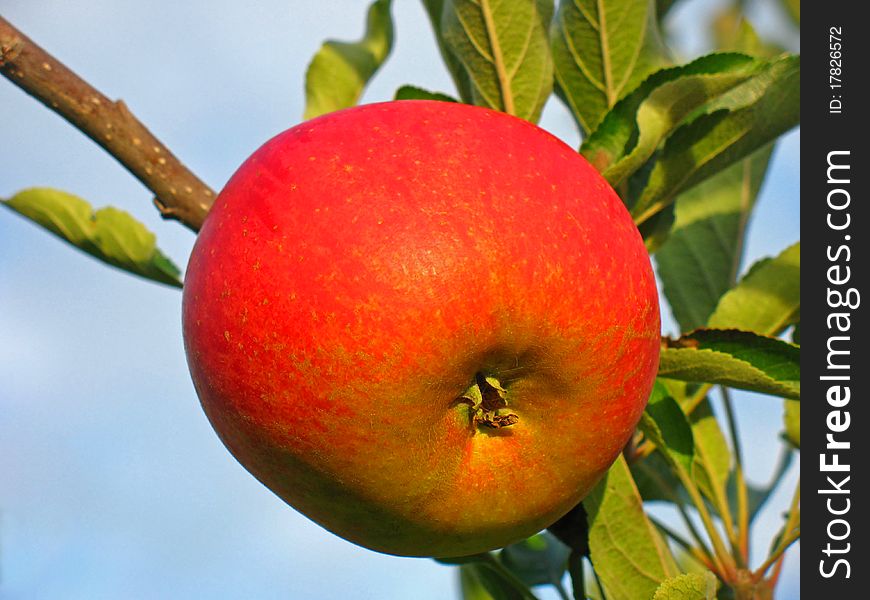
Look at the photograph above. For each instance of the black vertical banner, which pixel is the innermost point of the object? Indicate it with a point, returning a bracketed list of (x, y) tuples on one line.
[(834, 171)]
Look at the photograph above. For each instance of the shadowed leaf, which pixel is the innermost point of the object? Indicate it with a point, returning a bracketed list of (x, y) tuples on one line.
[(538, 560), (699, 261), (410, 92), (665, 424)]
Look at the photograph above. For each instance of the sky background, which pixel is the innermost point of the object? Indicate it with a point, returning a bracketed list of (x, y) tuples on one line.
[(112, 483)]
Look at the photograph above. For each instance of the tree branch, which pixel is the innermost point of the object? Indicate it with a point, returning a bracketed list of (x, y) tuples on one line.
[(179, 194)]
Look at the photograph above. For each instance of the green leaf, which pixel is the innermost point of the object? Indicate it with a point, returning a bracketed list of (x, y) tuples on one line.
[(339, 71), (739, 359), (665, 424), (503, 52), (729, 129), (490, 579), (629, 556), (631, 132), (767, 299), (792, 418), (478, 581), (655, 480), (538, 560), (434, 9), (109, 234), (712, 456), (602, 49), (689, 586), (699, 261), (410, 92)]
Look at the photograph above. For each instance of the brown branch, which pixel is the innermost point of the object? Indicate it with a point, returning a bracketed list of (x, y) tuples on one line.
[(179, 194)]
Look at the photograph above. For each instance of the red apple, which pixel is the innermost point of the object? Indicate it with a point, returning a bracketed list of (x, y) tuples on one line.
[(429, 327)]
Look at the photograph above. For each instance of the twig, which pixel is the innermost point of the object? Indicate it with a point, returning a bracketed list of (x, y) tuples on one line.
[(742, 541), (179, 194), (791, 533), (696, 553)]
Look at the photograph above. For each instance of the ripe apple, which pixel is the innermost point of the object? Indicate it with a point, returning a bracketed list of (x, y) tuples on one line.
[(429, 327)]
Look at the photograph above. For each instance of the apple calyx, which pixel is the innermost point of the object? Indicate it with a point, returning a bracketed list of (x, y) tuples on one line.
[(486, 397)]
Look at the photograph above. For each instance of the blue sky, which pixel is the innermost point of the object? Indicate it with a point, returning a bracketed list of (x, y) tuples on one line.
[(112, 484)]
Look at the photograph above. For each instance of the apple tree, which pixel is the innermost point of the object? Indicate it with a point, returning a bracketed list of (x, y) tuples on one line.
[(685, 142)]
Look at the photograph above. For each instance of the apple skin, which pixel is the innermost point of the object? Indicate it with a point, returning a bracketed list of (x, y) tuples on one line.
[(361, 270)]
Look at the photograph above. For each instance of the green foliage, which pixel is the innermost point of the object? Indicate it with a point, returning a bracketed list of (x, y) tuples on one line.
[(628, 553), (109, 234), (767, 299), (538, 560), (434, 9), (478, 581), (728, 129), (602, 49), (689, 586), (735, 358), (665, 424), (410, 92), (699, 261), (339, 71), (631, 132), (713, 462), (499, 52)]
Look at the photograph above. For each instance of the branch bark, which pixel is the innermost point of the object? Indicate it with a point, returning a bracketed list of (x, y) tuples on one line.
[(179, 194)]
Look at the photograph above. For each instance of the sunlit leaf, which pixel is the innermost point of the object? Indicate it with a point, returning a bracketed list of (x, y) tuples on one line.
[(109, 234), (688, 586), (602, 49), (631, 132), (339, 71), (767, 299), (700, 260), (739, 359), (502, 50), (629, 556), (730, 128)]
